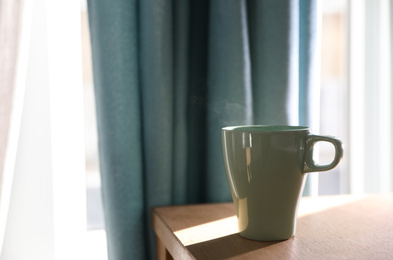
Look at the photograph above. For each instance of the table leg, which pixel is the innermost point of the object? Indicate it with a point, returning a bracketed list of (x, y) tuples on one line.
[(161, 252)]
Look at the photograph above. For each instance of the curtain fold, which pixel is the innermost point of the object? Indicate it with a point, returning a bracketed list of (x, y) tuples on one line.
[(228, 100), (115, 52), (168, 75), (274, 37)]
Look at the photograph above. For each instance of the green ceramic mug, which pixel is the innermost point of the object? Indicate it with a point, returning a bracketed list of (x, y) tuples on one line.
[(266, 169)]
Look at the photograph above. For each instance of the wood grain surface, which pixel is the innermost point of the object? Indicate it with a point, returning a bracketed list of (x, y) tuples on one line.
[(331, 227)]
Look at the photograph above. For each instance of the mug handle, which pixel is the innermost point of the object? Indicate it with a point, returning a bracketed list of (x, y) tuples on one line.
[(309, 163)]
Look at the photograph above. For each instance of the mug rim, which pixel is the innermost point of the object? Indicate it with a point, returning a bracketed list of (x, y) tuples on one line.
[(265, 128)]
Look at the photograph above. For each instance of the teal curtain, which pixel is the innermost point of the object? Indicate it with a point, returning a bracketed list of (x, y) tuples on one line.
[(168, 75)]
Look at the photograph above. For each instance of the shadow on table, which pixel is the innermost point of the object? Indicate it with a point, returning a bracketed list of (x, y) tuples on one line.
[(361, 229), (227, 247)]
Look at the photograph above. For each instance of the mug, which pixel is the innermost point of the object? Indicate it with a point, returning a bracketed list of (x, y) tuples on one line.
[(266, 169)]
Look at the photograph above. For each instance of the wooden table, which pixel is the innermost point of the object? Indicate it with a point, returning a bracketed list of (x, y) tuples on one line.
[(330, 227)]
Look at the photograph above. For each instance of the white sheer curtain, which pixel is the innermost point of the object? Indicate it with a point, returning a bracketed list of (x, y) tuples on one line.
[(47, 211)]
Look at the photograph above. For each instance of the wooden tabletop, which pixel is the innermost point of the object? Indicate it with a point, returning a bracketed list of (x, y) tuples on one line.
[(329, 227)]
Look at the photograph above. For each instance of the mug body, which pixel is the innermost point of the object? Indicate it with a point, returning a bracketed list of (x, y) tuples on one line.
[(265, 172)]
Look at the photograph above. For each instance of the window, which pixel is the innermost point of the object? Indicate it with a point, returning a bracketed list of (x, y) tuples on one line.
[(333, 95), (95, 218), (356, 94)]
